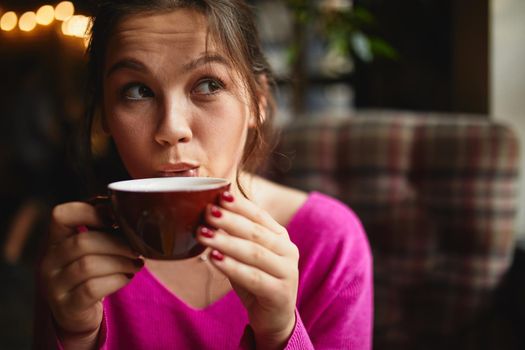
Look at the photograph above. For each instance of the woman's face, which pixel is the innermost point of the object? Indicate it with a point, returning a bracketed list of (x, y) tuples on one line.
[(173, 106)]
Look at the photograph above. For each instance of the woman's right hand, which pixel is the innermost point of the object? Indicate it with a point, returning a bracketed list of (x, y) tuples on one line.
[(79, 269)]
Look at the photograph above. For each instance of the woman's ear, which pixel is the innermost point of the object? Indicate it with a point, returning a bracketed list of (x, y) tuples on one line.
[(263, 103), (262, 99)]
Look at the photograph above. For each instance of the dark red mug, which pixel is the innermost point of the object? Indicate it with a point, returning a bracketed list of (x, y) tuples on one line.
[(159, 216)]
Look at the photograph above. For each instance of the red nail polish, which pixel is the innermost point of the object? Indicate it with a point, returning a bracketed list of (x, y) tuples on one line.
[(216, 212), (215, 254), (206, 232), (82, 229), (228, 197)]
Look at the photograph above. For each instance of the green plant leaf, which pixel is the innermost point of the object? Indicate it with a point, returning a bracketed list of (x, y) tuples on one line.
[(361, 47), (362, 16), (381, 48)]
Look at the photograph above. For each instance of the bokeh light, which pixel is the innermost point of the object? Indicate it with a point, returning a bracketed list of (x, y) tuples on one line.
[(64, 10), (76, 26), (8, 21), (27, 21), (45, 15)]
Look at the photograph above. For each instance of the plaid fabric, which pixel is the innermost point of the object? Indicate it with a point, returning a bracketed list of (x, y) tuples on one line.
[(437, 196)]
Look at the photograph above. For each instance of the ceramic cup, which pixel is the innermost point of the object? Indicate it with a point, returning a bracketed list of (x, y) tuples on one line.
[(159, 216)]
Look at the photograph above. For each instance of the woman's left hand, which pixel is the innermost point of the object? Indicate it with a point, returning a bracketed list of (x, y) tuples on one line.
[(261, 262)]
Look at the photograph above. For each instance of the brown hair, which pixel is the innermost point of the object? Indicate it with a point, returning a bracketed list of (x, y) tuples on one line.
[(232, 27)]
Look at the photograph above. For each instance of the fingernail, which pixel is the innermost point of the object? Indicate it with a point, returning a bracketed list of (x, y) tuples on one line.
[(215, 254), (206, 232), (82, 229), (138, 262), (216, 212), (228, 197)]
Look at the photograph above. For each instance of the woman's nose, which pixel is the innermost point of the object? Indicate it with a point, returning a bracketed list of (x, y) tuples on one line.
[(173, 126)]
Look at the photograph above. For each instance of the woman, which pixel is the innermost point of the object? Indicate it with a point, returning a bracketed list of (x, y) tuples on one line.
[(183, 90)]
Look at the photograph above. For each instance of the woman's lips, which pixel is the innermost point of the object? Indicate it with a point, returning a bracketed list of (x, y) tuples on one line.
[(181, 173), (178, 169)]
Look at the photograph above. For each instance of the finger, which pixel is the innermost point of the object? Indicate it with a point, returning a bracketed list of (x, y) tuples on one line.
[(65, 218), (255, 281), (93, 290), (88, 243), (242, 227), (245, 251), (93, 266), (251, 211)]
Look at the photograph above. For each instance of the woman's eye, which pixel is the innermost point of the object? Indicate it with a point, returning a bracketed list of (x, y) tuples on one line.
[(208, 87), (136, 91)]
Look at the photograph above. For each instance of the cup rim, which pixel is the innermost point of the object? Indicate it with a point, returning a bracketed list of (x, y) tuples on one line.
[(168, 184)]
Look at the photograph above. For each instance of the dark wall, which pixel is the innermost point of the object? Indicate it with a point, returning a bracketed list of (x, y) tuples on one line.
[(443, 64)]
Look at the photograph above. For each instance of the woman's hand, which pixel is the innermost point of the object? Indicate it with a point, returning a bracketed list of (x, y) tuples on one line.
[(80, 269), (261, 262)]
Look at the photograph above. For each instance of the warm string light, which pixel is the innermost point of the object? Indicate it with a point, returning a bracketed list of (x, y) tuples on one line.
[(72, 25), (8, 21), (64, 10), (45, 15), (76, 26), (27, 21)]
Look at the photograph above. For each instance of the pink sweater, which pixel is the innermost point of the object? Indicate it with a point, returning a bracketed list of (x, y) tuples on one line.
[(334, 303)]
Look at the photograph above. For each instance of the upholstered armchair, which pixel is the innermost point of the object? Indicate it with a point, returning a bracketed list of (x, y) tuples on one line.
[(437, 195)]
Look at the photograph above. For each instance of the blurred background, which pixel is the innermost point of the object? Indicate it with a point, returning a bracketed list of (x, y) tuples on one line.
[(330, 57)]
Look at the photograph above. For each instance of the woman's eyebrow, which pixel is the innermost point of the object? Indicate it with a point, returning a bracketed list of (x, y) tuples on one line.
[(129, 63), (206, 59)]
